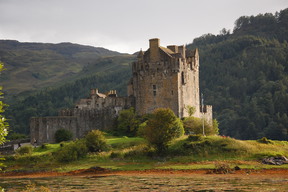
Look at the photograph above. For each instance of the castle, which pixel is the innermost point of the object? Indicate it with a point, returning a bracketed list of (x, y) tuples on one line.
[(162, 77)]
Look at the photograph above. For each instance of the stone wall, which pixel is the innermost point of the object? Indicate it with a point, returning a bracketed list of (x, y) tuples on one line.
[(78, 120), (43, 128)]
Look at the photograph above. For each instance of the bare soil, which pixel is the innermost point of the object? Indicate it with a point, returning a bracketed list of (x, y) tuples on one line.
[(98, 179), (106, 172)]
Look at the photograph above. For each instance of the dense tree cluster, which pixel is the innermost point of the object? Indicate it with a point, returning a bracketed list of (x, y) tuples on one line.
[(244, 76)]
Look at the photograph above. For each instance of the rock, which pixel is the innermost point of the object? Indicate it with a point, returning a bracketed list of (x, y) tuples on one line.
[(280, 160)]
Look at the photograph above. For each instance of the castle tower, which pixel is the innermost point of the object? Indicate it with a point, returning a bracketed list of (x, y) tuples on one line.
[(166, 77)]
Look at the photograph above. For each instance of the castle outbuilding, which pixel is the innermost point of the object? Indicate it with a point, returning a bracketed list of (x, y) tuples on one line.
[(162, 77)]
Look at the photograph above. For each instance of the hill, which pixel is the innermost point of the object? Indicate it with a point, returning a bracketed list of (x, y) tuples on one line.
[(244, 75), (32, 66)]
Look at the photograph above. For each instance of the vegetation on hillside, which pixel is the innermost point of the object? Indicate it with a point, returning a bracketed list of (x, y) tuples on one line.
[(244, 75), (31, 66)]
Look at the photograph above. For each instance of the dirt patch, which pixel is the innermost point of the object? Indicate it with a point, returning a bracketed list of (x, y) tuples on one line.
[(106, 172)]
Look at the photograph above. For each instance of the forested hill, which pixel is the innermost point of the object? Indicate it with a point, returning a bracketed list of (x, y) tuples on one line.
[(30, 66), (244, 75)]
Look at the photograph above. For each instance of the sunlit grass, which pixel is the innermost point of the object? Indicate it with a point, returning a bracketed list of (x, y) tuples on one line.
[(133, 153)]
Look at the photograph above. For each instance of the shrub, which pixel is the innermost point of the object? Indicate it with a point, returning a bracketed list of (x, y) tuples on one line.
[(264, 140), (15, 136), (63, 135), (96, 141), (44, 146), (195, 138), (127, 122), (25, 150), (72, 151), (163, 127), (194, 125)]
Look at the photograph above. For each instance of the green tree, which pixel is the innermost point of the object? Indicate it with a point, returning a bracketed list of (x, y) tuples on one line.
[(96, 141), (63, 135), (194, 125), (162, 127), (127, 122), (190, 110), (3, 123)]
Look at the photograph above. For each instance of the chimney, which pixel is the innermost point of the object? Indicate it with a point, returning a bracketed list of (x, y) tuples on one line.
[(182, 50), (173, 48), (154, 50)]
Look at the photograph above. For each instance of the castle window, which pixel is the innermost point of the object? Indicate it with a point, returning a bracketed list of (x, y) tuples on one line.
[(154, 90), (182, 78)]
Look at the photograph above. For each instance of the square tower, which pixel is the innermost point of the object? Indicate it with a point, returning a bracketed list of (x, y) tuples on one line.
[(166, 78)]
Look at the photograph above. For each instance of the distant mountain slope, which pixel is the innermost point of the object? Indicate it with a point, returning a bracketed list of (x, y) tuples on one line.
[(31, 66), (244, 75)]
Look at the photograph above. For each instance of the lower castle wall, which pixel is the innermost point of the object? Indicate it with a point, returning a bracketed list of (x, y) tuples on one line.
[(43, 128), (78, 121)]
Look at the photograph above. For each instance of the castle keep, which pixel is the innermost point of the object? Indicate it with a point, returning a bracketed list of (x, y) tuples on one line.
[(162, 77)]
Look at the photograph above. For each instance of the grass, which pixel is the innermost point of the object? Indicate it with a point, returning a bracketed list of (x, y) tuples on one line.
[(133, 153)]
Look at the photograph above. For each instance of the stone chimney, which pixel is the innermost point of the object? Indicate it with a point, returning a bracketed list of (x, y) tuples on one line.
[(154, 50), (173, 48), (182, 50)]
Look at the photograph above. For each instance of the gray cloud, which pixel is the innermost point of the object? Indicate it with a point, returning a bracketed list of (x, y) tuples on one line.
[(124, 25)]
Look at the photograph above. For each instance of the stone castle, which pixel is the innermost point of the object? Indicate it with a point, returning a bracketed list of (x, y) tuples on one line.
[(162, 77)]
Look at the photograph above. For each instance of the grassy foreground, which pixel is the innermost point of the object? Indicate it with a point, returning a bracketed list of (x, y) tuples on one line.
[(134, 154)]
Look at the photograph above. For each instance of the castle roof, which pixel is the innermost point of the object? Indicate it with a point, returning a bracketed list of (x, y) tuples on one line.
[(166, 50)]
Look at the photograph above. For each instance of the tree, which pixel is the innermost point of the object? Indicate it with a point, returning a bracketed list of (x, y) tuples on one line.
[(127, 122), (194, 125), (162, 127), (3, 123), (190, 110), (96, 141), (63, 135)]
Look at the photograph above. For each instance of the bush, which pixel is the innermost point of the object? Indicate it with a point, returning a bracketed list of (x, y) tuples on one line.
[(15, 136), (264, 140), (25, 150), (194, 125), (44, 146), (195, 138), (63, 135), (163, 127), (127, 122), (96, 141), (72, 151)]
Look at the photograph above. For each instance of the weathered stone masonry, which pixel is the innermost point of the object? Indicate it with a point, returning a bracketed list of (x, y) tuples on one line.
[(166, 77)]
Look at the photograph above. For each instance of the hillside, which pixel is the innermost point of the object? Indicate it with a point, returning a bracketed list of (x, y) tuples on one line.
[(244, 75), (31, 66)]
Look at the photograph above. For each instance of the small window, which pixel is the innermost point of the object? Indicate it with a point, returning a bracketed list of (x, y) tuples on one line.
[(154, 90), (182, 78)]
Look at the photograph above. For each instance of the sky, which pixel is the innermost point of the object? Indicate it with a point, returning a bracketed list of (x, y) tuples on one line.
[(124, 25)]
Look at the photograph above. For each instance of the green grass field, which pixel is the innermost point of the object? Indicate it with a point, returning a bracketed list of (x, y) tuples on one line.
[(133, 153)]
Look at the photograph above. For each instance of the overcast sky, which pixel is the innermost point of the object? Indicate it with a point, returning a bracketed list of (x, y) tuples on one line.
[(124, 25)]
